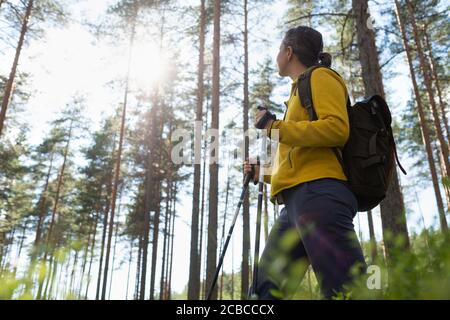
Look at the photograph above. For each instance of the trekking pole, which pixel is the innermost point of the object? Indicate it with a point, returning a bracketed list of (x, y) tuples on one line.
[(247, 179), (259, 213)]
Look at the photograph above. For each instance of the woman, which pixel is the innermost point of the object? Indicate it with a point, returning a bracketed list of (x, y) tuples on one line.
[(308, 179)]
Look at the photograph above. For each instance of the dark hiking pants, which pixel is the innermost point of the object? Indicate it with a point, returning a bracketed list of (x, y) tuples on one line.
[(317, 223)]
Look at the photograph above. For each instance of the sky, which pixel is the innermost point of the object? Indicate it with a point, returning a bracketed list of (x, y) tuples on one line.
[(69, 61)]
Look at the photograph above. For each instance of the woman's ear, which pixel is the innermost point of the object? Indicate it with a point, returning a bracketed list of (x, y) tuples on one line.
[(289, 53)]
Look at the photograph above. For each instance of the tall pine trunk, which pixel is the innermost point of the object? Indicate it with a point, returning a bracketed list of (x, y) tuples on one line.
[(138, 269), (392, 208), (169, 286), (12, 75), (245, 268), (266, 213), (104, 230), (119, 156), (58, 190), (194, 266), (373, 240), (153, 199), (428, 85), (214, 166), (423, 122), (130, 259), (165, 233), (116, 235), (436, 81), (91, 258), (222, 238), (42, 203)]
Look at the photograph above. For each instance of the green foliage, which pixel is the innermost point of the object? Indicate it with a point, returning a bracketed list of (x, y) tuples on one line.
[(23, 285), (419, 273)]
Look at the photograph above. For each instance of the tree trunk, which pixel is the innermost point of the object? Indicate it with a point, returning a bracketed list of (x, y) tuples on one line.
[(119, 156), (165, 233), (167, 259), (194, 266), (42, 204), (129, 268), (92, 245), (171, 196), (202, 212), (58, 191), (392, 208), (105, 226), (22, 238), (156, 221), (373, 240), (55, 207), (116, 234), (245, 268), (435, 78), (51, 272), (214, 166), (222, 238), (428, 85), (155, 155), (72, 275), (423, 124), (145, 235), (138, 269), (442, 106), (12, 75), (169, 287), (266, 214)]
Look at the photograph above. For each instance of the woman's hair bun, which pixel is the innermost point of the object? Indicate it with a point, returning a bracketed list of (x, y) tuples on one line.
[(324, 59)]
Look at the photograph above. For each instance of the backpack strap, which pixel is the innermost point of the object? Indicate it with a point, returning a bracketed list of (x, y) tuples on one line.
[(305, 94)]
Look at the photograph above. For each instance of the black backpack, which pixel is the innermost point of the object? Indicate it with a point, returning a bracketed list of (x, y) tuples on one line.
[(369, 154)]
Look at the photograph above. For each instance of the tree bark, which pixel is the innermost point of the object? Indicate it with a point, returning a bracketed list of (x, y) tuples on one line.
[(138, 268), (12, 75), (105, 227), (194, 266), (169, 289), (435, 78), (42, 204), (91, 257), (423, 123), (202, 210), (222, 238), (266, 214), (156, 221), (428, 85), (119, 157), (116, 235), (245, 268), (58, 191), (392, 208), (154, 177), (214, 166), (373, 240), (165, 233), (129, 268)]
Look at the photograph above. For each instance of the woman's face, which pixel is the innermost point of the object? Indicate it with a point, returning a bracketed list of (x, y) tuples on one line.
[(283, 58)]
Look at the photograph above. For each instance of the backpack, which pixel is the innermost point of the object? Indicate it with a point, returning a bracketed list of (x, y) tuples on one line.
[(369, 154)]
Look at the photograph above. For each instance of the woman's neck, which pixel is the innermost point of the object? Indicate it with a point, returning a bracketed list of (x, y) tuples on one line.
[(296, 71)]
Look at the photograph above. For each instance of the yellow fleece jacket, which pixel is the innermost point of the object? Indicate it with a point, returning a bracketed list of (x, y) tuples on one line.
[(304, 152)]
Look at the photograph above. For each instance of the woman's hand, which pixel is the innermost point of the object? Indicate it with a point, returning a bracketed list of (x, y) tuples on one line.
[(264, 118), (251, 167)]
